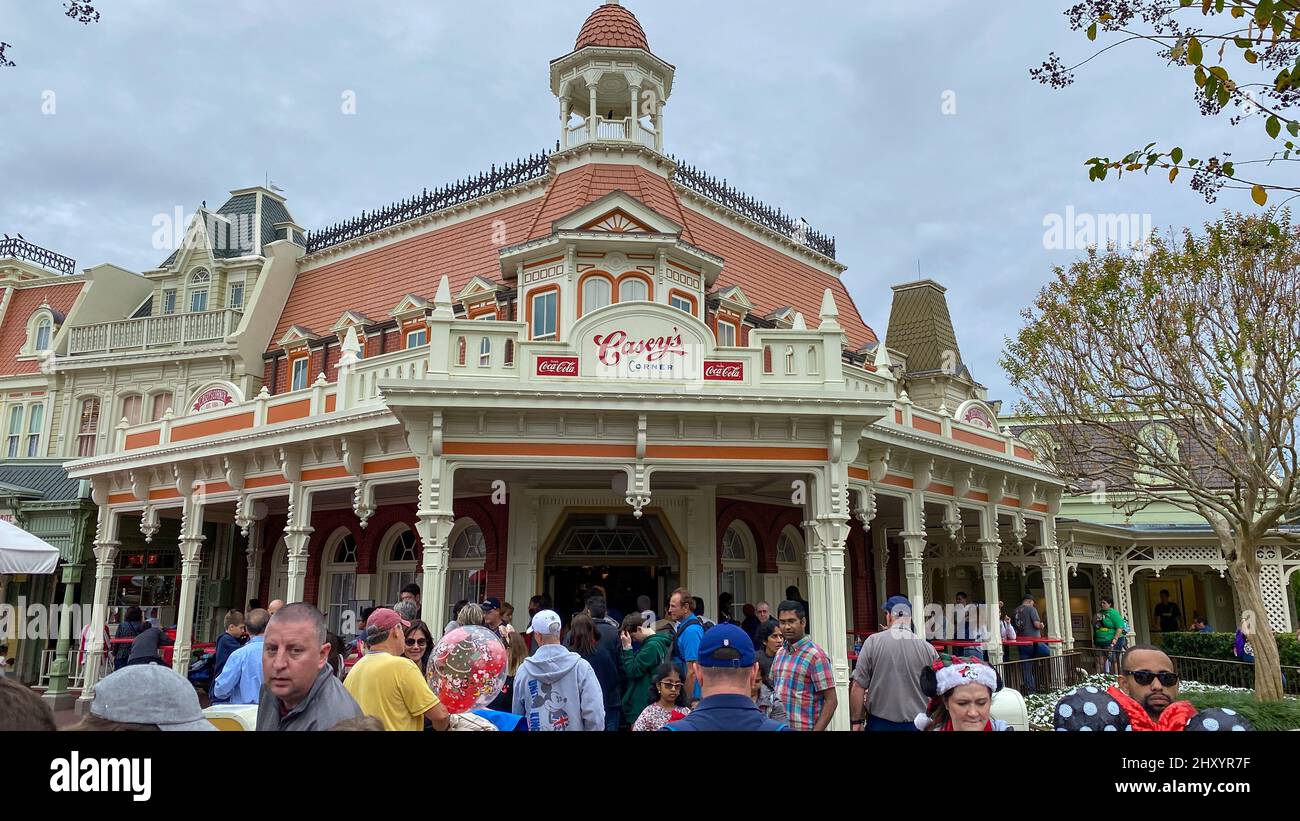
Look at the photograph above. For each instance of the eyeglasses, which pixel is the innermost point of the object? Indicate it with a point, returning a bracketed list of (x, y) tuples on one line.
[(671, 685), (1144, 677), (417, 642)]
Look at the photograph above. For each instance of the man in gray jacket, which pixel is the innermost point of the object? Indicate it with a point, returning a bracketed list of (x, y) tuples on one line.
[(299, 688), (555, 688)]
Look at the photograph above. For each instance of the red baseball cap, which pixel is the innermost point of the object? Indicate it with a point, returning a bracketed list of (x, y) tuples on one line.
[(385, 618)]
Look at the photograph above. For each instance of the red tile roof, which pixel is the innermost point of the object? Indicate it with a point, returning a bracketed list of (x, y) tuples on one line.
[(373, 282), (24, 302), (612, 25)]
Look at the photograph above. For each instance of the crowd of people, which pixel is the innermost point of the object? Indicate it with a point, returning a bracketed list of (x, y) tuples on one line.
[(596, 672)]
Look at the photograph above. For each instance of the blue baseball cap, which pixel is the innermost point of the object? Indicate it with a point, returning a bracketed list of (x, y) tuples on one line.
[(898, 606), (491, 603), (726, 645)]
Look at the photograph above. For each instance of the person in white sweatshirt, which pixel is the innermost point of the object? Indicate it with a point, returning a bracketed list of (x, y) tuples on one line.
[(556, 690)]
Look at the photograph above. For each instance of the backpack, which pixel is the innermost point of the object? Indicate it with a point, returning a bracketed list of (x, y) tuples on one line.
[(673, 654), (1018, 620)]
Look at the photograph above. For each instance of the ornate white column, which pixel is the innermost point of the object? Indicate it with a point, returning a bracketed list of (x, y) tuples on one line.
[(659, 126), (106, 547), (914, 541), (191, 547), (831, 515), (990, 547), (591, 120), (298, 529), (435, 515), (564, 122), (633, 120), (1057, 600)]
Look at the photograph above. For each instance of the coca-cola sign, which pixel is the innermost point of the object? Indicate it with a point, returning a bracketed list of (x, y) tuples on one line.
[(557, 366), (724, 371)]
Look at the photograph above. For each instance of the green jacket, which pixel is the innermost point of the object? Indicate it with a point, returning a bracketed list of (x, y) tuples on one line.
[(640, 666), (1111, 623)]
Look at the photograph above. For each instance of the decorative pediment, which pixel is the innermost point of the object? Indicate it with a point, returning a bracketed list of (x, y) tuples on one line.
[(618, 213), (479, 289), (977, 413), (734, 299), (350, 319), (410, 306), (296, 336), (782, 317)]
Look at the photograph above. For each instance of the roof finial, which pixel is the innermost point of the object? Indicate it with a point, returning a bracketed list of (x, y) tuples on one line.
[(830, 312), (442, 306)]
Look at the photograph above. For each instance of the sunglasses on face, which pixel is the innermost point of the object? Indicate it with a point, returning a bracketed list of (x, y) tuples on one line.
[(417, 643), (1144, 677)]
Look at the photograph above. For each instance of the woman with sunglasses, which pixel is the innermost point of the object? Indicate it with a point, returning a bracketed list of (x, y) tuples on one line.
[(419, 645), (667, 701)]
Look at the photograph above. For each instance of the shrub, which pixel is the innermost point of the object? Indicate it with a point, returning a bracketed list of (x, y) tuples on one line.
[(1219, 646), (1264, 716)]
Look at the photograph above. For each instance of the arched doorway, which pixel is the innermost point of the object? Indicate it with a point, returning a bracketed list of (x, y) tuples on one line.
[(338, 578), (626, 556), (466, 577), (399, 557), (790, 567), (279, 582)]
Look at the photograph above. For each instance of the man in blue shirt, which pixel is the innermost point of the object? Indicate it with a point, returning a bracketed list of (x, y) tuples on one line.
[(240, 681), (686, 646), (726, 668)]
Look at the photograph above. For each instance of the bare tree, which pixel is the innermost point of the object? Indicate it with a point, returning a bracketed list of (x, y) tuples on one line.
[(1201, 334), (84, 13)]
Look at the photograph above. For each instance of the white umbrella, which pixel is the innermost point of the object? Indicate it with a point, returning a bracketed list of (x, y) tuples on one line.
[(21, 552)]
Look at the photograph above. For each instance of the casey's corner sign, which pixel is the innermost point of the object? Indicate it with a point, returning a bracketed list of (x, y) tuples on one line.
[(641, 344)]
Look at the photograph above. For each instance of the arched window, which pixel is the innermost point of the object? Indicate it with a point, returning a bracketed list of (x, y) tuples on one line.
[(789, 359), (485, 352), (339, 578), (460, 351), (738, 555), (788, 547), (161, 403), (633, 289), (510, 353), (467, 578), (44, 329), (597, 291), (812, 359), (88, 427), (132, 407), (399, 561), (198, 291)]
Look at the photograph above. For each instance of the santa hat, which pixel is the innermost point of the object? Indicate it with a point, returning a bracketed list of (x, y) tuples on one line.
[(948, 672)]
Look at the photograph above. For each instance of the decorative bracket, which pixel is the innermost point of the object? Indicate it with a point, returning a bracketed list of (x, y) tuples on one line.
[(149, 524), (363, 501)]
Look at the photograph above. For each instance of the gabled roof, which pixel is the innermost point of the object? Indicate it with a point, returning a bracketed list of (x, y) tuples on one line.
[(350, 319), (296, 333), (410, 304), (477, 289), (237, 229), (24, 302)]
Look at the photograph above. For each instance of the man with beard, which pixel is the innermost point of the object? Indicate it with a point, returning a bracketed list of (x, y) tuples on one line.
[(1148, 690)]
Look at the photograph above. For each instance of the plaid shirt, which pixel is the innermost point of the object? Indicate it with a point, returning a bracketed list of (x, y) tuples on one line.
[(802, 674)]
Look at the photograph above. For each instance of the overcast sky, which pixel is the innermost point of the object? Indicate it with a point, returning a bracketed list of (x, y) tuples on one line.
[(830, 110)]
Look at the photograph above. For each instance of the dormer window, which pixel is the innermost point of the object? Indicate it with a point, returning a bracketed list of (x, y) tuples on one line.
[(169, 302), (40, 331), (726, 334), (299, 377), (236, 301), (198, 291), (417, 337)]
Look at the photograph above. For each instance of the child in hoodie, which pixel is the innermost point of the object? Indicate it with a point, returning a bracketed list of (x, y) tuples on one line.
[(555, 688)]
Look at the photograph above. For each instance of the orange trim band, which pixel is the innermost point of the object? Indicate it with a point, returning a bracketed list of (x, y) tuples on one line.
[(859, 473), (947, 490), (977, 496), (165, 493), (121, 498), (722, 452), (264, 481), (539, 263), (1007, 501), (977, 440), (389, 465), (1024, 453), (537, 449), (331, 402), (898, 417), (897, 481), (336, 472), (289, 410), (1040, 507), (920, 423), (142, 440), (211, 427)]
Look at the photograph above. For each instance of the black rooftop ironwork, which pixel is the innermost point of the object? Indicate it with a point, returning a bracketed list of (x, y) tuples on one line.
[(429, 202), (19, 248), (775, 219), (536, 166)]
